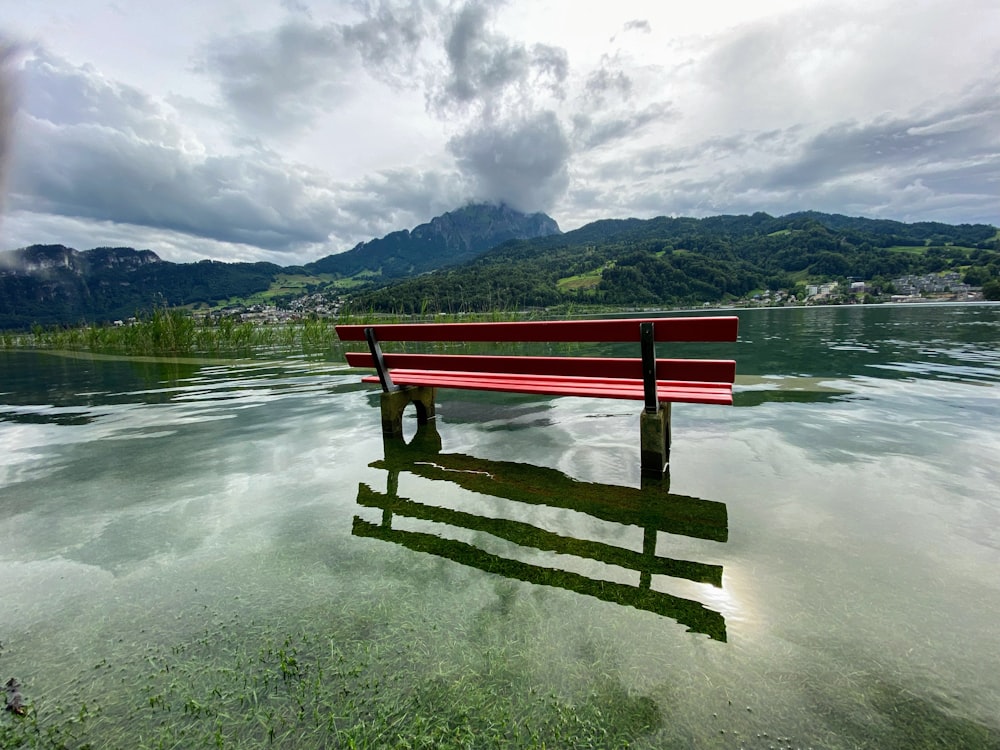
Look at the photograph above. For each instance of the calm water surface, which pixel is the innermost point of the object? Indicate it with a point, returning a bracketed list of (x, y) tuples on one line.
[(227, 554)]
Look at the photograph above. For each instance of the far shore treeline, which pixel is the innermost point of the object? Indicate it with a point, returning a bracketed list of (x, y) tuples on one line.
[(439, 268), (675, 262)]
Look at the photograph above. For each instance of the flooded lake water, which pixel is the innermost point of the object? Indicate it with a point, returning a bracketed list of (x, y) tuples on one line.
[(206, 554)]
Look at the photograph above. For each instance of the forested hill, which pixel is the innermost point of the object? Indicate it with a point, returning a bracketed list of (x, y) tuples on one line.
[(449, 239), (673, 261), (57, 285)]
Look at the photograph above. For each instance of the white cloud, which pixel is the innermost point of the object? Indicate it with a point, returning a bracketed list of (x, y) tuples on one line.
[(89, 148)]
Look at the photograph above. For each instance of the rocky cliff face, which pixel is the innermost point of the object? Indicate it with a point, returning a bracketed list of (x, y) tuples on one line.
[(46, 260), (479, 227), (39, 259), (449, 239), (119, 258), (55, 284)]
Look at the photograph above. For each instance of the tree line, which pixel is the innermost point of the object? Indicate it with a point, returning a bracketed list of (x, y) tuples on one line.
[(668, 261)]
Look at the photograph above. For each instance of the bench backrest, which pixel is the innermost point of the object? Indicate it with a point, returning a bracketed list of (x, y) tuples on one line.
[(693, 329)]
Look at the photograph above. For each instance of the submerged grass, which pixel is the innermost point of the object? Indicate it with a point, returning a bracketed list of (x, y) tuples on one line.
[(355, 682), (360, 682)]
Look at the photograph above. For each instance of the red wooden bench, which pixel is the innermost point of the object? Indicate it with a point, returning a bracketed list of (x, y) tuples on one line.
[(412, 378)]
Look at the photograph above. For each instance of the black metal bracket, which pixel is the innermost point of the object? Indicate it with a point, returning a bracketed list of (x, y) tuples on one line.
[(383, 372), (648, 342)]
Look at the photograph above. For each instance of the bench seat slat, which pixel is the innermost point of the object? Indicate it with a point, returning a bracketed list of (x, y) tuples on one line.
[(711, 370), (673, 391), (711, 328)]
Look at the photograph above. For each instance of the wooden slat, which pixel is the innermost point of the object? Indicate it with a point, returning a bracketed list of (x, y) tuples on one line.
[(710, 370), (674, 391), (708, 328)]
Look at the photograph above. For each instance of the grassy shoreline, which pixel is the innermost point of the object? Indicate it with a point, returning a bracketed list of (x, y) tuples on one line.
[(175, 333)]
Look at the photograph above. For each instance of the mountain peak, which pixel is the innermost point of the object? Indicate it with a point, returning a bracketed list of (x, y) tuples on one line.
[(451, 238)]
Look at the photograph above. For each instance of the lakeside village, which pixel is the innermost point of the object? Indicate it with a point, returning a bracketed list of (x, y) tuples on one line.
[(944, 287)]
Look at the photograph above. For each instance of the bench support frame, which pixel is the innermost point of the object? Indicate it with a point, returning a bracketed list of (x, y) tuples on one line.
[(395, 399), (647, 343), (383, 372), (654, 442), (394, 403), (654, 421)]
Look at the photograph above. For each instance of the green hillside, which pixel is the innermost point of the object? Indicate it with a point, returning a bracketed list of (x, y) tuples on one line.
[(679, 261)]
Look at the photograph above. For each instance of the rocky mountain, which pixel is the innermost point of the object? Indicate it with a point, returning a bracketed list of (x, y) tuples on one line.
[(447, 240)]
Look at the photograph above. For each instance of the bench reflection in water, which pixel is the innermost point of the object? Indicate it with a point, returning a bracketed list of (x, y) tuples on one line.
[(652, 508)]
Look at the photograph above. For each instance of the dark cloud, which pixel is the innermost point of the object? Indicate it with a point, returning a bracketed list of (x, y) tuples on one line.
[(491, 70), (649, 164), (372, 206), (605, 112), (811, 109), (389, 36), (511, 147), (521, 162), (481, 64), (964, 135), (593, 131), (636, 24), (943, 165), (103, 174), (283, 78), (391, 199)]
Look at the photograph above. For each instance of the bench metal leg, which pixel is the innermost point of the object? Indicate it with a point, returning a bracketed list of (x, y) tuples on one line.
[(654, 442), (394, 403)]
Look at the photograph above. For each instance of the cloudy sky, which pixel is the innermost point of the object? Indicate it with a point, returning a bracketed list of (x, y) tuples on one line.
[(285, 130)]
